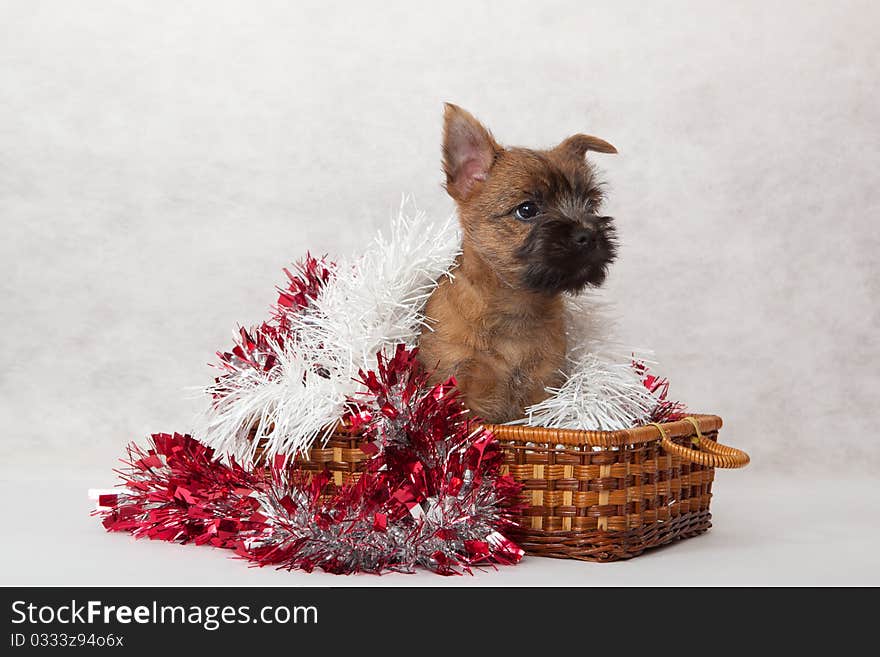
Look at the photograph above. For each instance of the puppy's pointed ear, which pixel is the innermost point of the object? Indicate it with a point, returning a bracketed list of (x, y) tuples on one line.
[(468, 151), (577, 146)]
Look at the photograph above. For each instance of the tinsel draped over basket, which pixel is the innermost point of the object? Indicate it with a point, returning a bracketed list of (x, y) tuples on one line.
[(590, 495), (428, 490)]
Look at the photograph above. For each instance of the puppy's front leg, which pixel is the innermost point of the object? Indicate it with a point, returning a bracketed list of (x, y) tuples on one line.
[(487, 391)]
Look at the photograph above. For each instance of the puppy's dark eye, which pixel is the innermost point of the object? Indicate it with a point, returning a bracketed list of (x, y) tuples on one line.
[(526, 211)]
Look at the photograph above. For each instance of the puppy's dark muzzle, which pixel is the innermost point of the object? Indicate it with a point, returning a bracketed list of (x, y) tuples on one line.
[(584, 238), (566, 255), (587, 233)]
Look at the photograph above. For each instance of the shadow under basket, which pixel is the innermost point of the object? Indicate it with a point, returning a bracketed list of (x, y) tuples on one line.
[(592, 495)]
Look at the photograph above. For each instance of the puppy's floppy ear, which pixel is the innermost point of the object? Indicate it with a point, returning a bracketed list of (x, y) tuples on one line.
[(577, 146), (468, 151)]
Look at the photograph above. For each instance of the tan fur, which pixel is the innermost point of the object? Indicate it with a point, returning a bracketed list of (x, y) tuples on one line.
[(503, 342), (502, 345)]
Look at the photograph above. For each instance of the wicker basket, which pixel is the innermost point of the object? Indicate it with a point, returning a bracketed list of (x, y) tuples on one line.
[(604, 496), (592, 495)]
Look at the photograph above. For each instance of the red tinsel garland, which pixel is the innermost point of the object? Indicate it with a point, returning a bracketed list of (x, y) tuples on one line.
[(666, 410), (254, 350), (431, 495)]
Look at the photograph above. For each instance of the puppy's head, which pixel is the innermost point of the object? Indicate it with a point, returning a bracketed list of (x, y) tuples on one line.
[(532, 215)]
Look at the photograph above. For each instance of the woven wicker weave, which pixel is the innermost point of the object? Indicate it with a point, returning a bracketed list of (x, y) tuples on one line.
[(604, 496), (592, 495)]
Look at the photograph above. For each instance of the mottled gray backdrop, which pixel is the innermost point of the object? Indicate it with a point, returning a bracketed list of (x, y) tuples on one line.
[(161, 161)]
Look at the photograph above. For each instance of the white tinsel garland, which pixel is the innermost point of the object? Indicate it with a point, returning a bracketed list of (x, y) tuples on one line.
[(371, 304), (596, 394), (602, 390)]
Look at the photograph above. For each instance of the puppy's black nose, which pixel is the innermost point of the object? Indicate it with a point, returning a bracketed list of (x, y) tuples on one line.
[(584, 237)]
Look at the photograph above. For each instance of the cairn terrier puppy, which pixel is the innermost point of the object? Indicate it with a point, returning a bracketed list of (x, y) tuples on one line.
[(531, 231)]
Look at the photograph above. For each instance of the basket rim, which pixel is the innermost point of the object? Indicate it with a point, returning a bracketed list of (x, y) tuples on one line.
[(634, 435)]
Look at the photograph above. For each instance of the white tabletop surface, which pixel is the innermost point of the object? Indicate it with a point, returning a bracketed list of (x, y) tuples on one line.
[(781, 531)]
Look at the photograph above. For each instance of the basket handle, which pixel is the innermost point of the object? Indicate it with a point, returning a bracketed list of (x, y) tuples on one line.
[(708, 453)]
